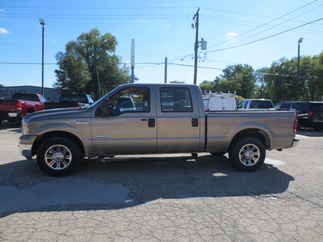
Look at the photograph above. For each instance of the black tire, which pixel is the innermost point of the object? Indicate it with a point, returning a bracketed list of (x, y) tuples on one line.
[(234, 154), (74, 149), (218, 154)]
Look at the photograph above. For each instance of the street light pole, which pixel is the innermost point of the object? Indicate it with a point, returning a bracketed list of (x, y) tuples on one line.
[(42, 23), (300, 40), (165, 70)]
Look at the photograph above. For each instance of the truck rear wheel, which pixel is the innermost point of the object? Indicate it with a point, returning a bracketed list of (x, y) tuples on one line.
[(248, 154), (58, 156)]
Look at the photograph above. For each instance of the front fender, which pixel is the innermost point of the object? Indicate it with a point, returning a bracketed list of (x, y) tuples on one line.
[(56, 126), (61, 127)]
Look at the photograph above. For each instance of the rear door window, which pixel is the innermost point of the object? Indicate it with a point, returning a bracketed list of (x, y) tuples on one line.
[(175, 99)]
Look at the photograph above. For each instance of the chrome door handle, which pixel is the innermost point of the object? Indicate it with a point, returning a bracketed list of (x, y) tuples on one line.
[(195, 122)]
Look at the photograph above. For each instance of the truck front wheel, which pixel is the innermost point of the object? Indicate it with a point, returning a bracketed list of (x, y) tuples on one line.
[(248, 154), (58, 156)]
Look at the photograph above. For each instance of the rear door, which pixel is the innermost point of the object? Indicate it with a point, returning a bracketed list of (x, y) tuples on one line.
[(177, 120)]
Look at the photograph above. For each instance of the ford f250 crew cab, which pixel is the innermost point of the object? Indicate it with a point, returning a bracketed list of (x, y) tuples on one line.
[(152, 118)]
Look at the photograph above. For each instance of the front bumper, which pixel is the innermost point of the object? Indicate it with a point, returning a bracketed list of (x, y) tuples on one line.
[(26, 144)]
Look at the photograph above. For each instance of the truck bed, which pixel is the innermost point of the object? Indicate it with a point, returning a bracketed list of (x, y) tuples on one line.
[(222, 126)]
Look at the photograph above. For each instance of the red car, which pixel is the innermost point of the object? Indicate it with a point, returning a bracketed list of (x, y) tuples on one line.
[(20, 105)]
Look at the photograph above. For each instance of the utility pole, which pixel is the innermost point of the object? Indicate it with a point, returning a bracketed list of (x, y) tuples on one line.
[(165, 72), (195, 25), (132, 59), (42, 23)]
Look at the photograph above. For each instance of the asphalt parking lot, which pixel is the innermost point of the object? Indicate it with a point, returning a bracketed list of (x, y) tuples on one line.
[(165, 198)]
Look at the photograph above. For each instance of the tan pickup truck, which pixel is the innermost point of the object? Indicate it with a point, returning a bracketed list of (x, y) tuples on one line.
[(152, 118)]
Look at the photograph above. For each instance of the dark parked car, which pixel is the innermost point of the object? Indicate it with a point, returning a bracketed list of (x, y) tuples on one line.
[(71, 100), (309, 114)]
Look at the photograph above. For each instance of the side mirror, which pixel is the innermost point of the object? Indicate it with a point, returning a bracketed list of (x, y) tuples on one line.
[(104, 110)]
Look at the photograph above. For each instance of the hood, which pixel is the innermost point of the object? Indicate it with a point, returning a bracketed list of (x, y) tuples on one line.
[(56, 113)]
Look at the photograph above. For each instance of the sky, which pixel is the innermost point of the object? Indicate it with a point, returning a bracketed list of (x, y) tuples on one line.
[(160, 29)]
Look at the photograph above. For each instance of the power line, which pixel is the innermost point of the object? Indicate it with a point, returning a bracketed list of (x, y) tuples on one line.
[(211, 10), (283, 22), (201, 67), (269, 22), (266, 37), (53, 63), (123, 63), (256, 27), (26, 63)]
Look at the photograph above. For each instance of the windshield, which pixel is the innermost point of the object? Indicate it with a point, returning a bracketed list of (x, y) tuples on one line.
[(25, 96), (261, 104), (101, 98)]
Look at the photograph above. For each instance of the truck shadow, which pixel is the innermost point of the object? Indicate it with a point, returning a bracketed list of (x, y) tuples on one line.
[(11, 127), (310, 133), (126, 182)]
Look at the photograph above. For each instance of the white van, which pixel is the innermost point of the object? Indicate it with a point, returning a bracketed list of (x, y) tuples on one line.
[(219, 101)]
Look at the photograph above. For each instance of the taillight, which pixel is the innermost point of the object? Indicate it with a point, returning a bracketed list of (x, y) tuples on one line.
[(19, 105), (310, 114), (296, 125)]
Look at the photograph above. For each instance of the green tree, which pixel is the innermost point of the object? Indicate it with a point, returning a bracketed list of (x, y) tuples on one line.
[(236, 78), (207, 86), (89, 64), (282, 82)]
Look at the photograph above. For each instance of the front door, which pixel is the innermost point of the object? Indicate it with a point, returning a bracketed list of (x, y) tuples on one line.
[(125, 124), (177, 120)]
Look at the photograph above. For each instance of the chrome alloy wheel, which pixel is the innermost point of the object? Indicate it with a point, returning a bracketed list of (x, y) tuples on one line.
[(249, 155), (58, 157)]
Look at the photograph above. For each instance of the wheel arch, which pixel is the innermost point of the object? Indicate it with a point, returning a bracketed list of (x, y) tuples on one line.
[(252, 132), (64, 134)]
